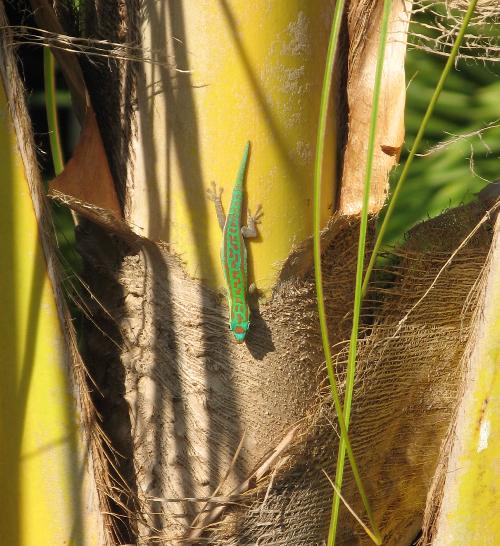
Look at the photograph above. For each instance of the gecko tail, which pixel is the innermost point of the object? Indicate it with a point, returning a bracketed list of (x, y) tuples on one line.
[(243, 164)]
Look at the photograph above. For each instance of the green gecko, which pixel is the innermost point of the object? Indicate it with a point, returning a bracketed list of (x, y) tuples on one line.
[(233, 253)]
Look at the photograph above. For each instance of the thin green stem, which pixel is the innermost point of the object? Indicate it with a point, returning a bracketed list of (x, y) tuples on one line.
[(318, 175), (353, 345), (416, 144), (51, 108)]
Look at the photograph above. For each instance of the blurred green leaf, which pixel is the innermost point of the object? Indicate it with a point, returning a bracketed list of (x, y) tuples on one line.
[(448, 176)]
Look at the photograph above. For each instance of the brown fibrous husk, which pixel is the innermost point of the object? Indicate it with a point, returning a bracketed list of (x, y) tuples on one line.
[(195, 396)]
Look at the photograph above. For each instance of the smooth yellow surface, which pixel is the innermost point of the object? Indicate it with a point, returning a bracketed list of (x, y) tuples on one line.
[(42, 480), (471, 504), (251, 71)]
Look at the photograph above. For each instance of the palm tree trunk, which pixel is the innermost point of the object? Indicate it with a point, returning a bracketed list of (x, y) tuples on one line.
[(230, 441)]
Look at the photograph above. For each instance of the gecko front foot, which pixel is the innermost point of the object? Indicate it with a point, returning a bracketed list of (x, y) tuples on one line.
[(255, 218), (214, 193), (250, 230)]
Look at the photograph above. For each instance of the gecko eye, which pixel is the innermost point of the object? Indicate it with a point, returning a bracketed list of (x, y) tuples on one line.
[(229, 327)]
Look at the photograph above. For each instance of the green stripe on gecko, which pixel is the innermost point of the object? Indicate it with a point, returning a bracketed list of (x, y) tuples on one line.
[(234, 258)]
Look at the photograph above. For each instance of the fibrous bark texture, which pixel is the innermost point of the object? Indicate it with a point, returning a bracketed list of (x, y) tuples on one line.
[(206, 413)]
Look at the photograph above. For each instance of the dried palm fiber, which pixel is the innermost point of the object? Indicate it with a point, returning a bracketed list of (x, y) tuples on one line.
[(439, 526), (435, 25), (194, 396)]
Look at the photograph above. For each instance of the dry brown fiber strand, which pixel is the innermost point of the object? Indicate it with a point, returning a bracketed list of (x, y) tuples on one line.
[(437, 24), (434, 34), (194, 397)]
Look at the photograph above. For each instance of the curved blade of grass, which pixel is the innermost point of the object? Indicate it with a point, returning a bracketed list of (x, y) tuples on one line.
[(318, 173), (51, 108), (363, 227), (418, 139)]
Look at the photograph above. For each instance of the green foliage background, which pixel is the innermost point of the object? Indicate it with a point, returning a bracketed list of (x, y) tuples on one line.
[(469, 107)]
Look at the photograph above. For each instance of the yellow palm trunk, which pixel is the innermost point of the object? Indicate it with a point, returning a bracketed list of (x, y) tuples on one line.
[(471, 497), (46, 498), (241, 76)]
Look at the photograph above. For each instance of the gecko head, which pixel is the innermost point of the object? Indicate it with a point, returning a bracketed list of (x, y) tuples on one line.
[(239, 330)]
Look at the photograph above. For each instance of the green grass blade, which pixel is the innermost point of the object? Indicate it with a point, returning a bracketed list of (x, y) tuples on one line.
[(418, 139), (51, 107), (351, 362), (318, 173)]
